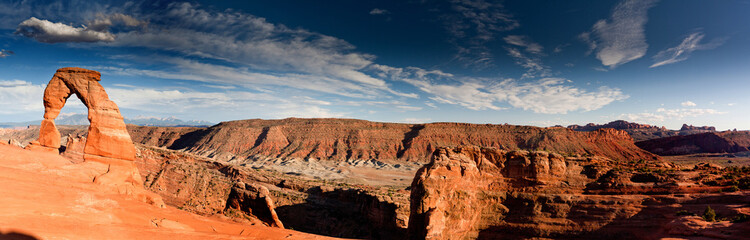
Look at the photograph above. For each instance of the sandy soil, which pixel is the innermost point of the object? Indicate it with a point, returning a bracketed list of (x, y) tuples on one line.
[(45, 196)]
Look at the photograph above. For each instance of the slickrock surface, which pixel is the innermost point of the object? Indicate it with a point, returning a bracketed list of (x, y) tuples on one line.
[(45, 196), (710, 142), (471, 192), (107, 136)]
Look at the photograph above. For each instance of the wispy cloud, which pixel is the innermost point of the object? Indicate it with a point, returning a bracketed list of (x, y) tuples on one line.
[(184, 102), (621, 38), (531, 61), (533, 64), (547, 95), (4, 53), (97, 30), (233, 51), (682, 51), (688, 104), (474, 23), (525, 42), (663, 114), (378, 11)]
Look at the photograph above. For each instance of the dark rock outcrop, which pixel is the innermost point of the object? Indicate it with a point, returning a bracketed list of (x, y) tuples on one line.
[(710, 142)]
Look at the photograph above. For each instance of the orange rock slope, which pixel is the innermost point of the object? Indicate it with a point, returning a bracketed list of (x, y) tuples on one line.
[(45, 196)]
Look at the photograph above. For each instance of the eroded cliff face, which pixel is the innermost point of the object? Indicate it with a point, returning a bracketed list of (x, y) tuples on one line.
[(471, 192), (350, 139)]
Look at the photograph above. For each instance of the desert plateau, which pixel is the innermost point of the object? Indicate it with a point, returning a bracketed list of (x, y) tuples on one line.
[(383, 120)]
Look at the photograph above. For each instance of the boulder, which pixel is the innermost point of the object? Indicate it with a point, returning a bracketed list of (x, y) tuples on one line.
[(254, 200)]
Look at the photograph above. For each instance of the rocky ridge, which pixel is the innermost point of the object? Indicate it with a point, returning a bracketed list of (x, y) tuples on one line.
[(643, 132), (350, 139)]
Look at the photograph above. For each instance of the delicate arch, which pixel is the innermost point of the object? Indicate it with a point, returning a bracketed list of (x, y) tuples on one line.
[(107, 135)]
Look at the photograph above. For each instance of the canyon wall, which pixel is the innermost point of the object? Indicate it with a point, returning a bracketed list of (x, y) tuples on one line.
[(471, 192)]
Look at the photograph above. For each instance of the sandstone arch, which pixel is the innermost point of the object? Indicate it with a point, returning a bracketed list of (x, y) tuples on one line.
[(107, 135)]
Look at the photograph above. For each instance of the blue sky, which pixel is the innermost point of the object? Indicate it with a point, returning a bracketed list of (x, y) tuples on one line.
[(537, 63)]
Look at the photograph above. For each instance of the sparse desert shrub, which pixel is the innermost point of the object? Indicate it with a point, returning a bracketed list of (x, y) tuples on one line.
[(709, 214), (741, 218)]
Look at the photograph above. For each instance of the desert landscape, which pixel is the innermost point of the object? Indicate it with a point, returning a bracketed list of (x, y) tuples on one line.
[(285, 132)]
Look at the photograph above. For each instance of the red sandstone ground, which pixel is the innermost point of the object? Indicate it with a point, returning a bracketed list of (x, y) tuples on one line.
[(45, 196)]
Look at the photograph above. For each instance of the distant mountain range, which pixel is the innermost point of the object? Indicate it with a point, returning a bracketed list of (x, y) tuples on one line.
[(82, 119)]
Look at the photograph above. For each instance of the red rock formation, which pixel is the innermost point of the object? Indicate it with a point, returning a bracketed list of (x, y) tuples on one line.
[(639, 132), (254, 200), (107, 141), (710, 142), (107, 135), (485, 193), (74, 148), (618, 124), (686, 127), (349, 139)]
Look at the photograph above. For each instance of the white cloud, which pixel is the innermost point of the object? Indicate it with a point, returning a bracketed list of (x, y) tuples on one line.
[(431, 104), (409, 108), (49, 32), (378, 11), (193, 102), (4, 53), (524, 41), (265, 52), (682, 51), (662, 114), (534, 66), (17, 97), (103, 22), (472, 24), (621, 38), (688, 104), (547, 95)]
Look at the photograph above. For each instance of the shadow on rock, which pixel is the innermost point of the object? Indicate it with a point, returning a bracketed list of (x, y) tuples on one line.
[(347, 213), (16, 236)]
